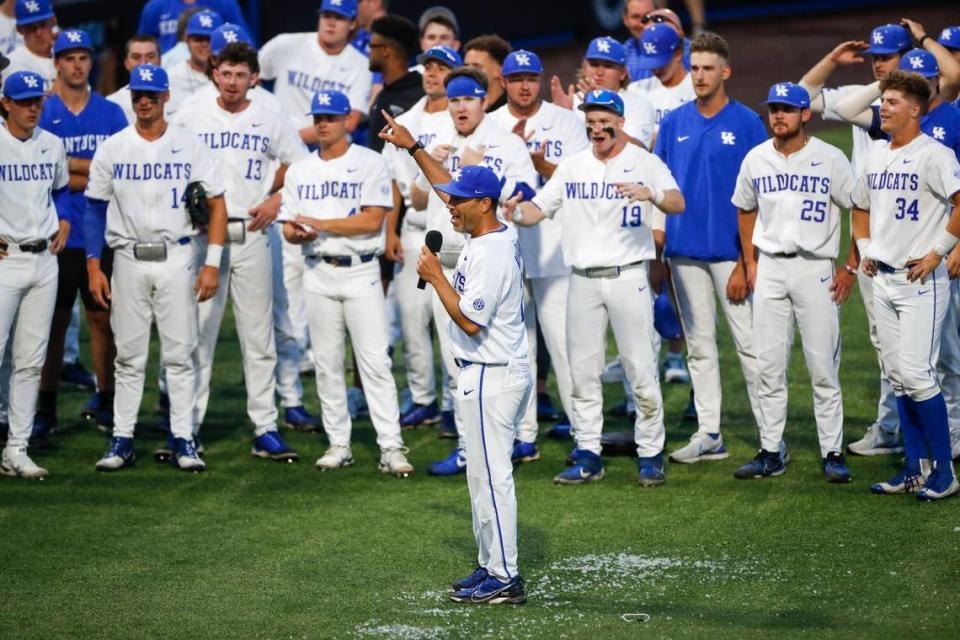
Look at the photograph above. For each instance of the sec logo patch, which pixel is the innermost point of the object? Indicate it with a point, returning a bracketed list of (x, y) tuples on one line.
[(478, 304)]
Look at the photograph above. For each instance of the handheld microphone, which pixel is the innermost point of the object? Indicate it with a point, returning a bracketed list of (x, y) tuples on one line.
[(434, 241)]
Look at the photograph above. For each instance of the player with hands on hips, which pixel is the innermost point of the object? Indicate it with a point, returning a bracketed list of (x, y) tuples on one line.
[(31, 234), (137, 204), (334, 205), (603, 198), (906, 217), (789, 193)]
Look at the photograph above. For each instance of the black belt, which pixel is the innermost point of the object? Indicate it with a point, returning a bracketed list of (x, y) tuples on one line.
[(36, 246), (883, 267), (784, 255), (463, 364), (345, 261)]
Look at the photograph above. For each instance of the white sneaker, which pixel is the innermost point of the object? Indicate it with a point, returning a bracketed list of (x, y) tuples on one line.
[(612, 372), (335, 457), (877, 442), (16, 463), (675, 369), (395, 461), (702, 446), (955, 444)]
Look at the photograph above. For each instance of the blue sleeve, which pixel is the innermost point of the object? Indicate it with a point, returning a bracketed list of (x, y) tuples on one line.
[(526, 190), (660, 149), (118, 120), (95, 227), (875, 132), (758, 133), (62, 213), (149, 20)]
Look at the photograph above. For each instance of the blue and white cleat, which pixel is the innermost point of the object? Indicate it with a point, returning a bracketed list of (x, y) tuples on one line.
[(524, 452), (766, 464), (448, 426), (492, 591), (357, 404), (44, 425), (185, 456), (335, 457), (651, 471), (119, 454), (941, 484), (675, 369), (702, 446), (560, 431), (452, 465), (419, 414), (835, 468), (272, 447), (587, 467), (909, 479), (471, 581), (298, 419), (105, 420)]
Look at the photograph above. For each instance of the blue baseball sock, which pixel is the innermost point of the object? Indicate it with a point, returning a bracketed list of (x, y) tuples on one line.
[(932, 414), (913, 444)]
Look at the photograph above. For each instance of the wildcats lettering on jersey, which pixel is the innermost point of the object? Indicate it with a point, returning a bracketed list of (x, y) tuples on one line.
[(27, 172), (151, 171), (791, 182), (893, 181), (328, 189), (594, 191), (236, 140), (303, 80), (496, 164)]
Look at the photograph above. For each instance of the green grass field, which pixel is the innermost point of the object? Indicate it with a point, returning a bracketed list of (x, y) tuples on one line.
[(255, 549)]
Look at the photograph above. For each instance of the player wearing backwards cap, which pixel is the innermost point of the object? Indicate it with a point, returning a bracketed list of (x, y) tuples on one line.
[(159, 18), (245, 137), (189, 76), (906, 218), (552, 134), (477, 140), (335, 203), (82, 119), (35, 23), (789, 193), (483, 301), (605, 197), (604, 68), (703, 142), (429, 121), (142, 173), (33, 167)]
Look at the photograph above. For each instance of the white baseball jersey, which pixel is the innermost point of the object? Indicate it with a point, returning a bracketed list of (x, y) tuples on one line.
[(560, 134), (600, 228), (907, 192), (338, 188), (639, 118), (861, 139), (29, 172), (258, 96), (664, 99), (489, 279), (144, 181), (505, 154), (184, 82), (244, 144), (123, 98), (300, 68), (22, 59), (798, 197), (9, 38)]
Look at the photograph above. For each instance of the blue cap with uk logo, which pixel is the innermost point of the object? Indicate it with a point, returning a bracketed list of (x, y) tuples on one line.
[(606, 48), (790, 94), (919, 61), (658, 42), (465, 87), (441, 53), (30, 11), (950, 38), (602, 99), (888, 39), (149, 77), (521, 61), (346, 8), (69, 39), (228, 33), (329, 103), (473, 181), (203, 23), (23, 85)]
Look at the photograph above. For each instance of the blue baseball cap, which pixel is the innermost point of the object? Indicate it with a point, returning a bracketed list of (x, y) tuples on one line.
[(329, 103), (441, 53), (70, 39), (473, 181), (346, 8), (30, 11), (602, 99), (228, 33), (464, 87), (920, 61), (521, 61), (888, 39), (950, 38), (606, 48), (149, 77), (22, 85), (658, 44), (203, 23), (790, 94)]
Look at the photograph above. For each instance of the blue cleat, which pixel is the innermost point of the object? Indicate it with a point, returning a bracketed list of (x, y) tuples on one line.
[(420, 414), (492, 591), (572, 456), (524, 452), (764, 465), (690, 413), (185, 455), (119, 455), (271, 446), (357, 404), (941, 484), (448, 426), (77, 375), (651, 471), (452, 465), (560, 431), (587, 467), (298, 419), (91, 408), (909, 479), (44, 426), (835, 468), (471, 581), (545, 410), (105, 421)]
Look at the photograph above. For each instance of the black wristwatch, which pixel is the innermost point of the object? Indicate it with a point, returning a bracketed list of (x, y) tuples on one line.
[(412, 150), (923, 38)]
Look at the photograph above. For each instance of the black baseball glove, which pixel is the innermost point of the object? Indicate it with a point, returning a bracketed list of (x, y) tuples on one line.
[(195, 200)]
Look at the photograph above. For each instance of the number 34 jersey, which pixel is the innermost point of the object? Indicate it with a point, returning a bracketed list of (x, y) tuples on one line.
[(797, 197), (907, 192)]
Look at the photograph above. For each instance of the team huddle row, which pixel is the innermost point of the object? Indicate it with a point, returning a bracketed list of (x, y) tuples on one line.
[(633, 184)]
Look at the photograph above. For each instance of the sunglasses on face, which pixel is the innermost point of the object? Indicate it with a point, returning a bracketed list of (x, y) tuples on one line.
[(149, 95), (647, 19)]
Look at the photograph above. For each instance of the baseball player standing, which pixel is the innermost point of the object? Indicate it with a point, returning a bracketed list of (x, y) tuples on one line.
[(35, 23), (9, 38), (605, 196), (140, 49), (903, 225), (33, 169), (789, 193), (703, 142), (142, 174), (189, 76), (335, 203)]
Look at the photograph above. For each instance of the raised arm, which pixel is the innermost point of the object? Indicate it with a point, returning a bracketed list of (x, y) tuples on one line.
[(849, 52)]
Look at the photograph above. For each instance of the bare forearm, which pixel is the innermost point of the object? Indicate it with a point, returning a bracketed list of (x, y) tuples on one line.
[(530, 214), (673, 202), (860, 227), (79, 166), (418, 197), (278, 178), (369, 220), (77, 182), (747, 221), (217, 227)]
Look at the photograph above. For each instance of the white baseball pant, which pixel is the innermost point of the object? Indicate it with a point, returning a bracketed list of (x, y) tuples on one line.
[(625, 303), (441, 320), (28, 294), (338, 300), (887, 415), (416, 313), (948, 366), (289, 318), (490, 418)]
